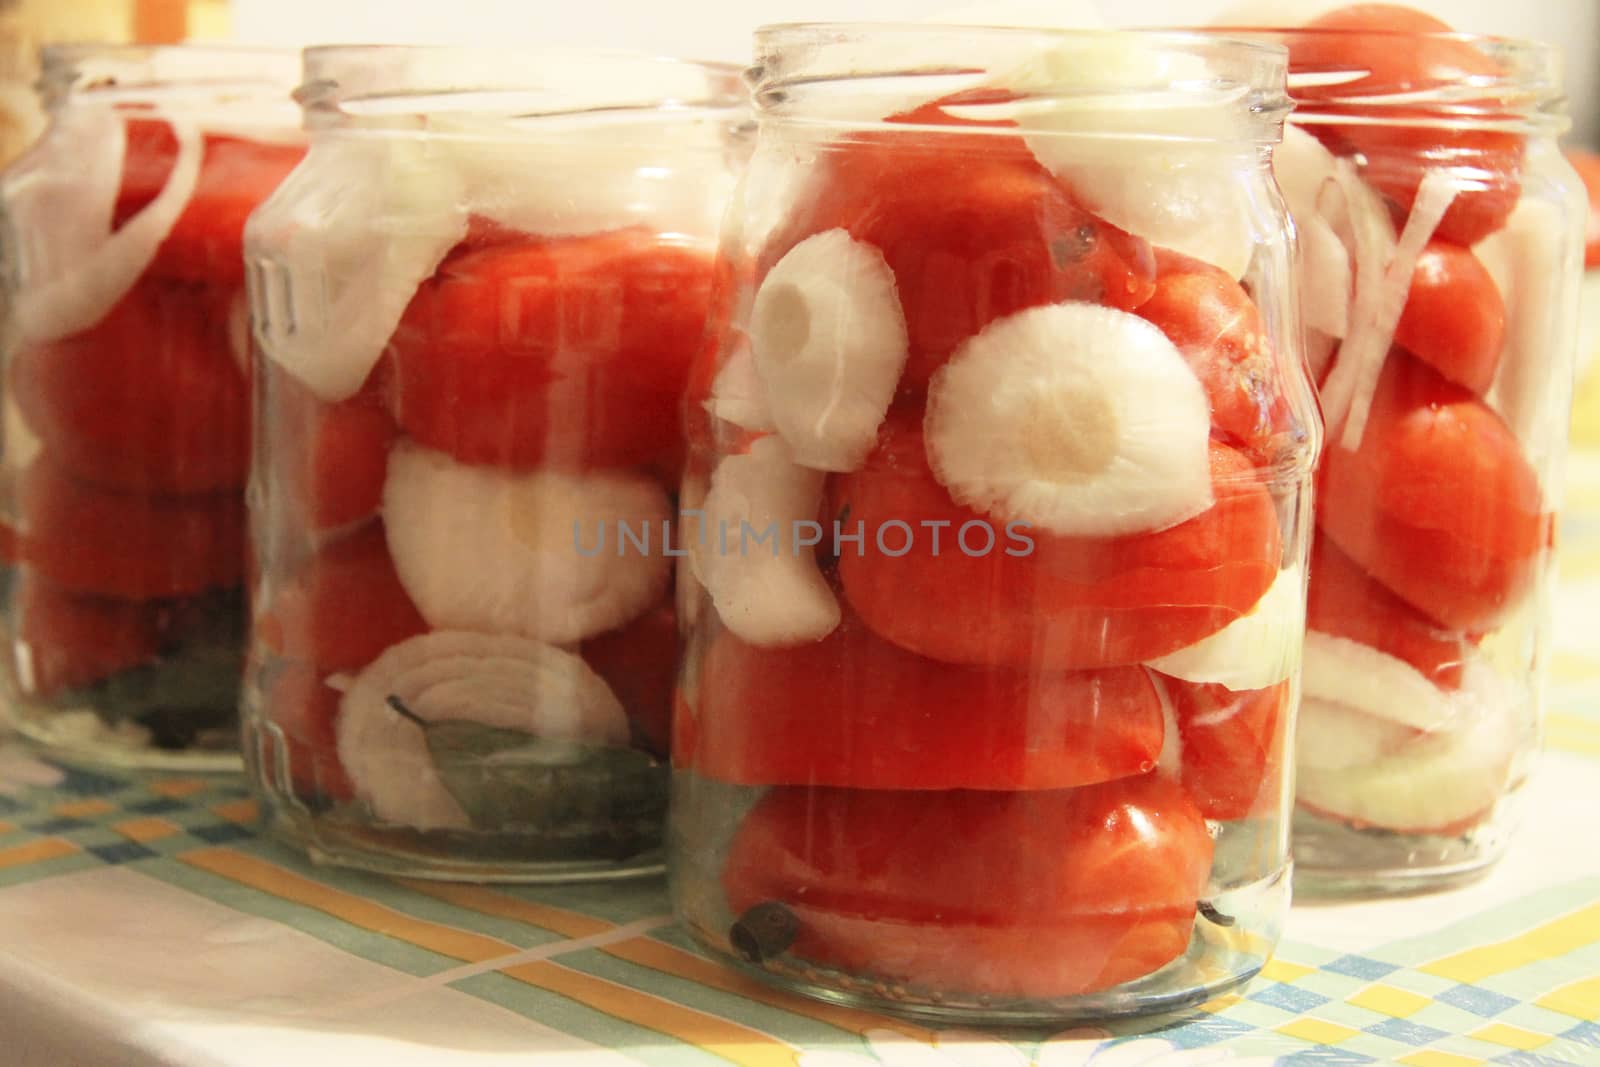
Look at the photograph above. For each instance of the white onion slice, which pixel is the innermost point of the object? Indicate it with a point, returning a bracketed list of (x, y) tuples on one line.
[(1357, 215), (76, 295), (1077, 419), (538, 553), (829, 339), (1531, 258), (1368, 343), (768, 592), (1360, 677), (1257, 650), (347, 239), (497, 680), (737, 395)]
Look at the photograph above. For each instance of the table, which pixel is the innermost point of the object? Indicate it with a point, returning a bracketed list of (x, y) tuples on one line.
[(143, 921)]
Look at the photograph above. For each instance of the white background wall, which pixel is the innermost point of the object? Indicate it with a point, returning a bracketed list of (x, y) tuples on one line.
[(719, 29)]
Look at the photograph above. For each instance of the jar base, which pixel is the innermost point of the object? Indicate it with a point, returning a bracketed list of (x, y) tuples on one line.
[(329, 841), (1219, 959), (1335, 861), (78, 735)]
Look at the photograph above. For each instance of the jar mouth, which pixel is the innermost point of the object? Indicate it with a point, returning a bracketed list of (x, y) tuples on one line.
[(852, 74), (1472, 81), (111, 71), (400, 85)]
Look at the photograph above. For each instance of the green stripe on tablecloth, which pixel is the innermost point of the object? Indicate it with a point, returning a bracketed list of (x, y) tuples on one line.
[(647, 1046)]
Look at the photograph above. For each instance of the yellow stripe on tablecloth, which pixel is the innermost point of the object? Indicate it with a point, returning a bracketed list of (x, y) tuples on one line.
[(657, 956), (49, 848), (729, 1040), (1434, 1058), (1580, 999), (722, 1037), (84, 809), (1554, 938), (1573, 733), (488, 902), (1511, 1037)]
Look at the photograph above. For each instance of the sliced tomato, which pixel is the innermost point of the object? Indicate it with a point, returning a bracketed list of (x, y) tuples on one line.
[(1402, 52), (149, 399), (1064, 603), (1454, 319), (1220, 332), (1587, 164), (639, 662), (853, 710), (128, 545), (342, 608), (1037, 894), (324, 463), (207, 242), (1347, 602), (302, 714), (571, 352), (973, 228), (1438, 503), (1232, 750), (66, 640)]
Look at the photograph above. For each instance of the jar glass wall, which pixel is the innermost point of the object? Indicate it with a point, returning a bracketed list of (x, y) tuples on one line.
[(126, 422), (999, 482), (475, 309), (1442, 241)]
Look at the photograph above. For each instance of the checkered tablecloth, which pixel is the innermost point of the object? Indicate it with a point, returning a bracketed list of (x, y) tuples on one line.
[(142, 920)]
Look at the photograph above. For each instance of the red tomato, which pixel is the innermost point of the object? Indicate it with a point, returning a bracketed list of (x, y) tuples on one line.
[(325, 464), (207, 242), (67, 641), (149, 399), (1402, 51), (1036, 894), (1070, 602), (572, 352), (639, 662), (973, 228), (1232, 746), (1346, 602), (1454, 319), (301, 713), (853, 710), (1587, 164), (344, 607), (1218, 329), (1438, 503), (134, 547)]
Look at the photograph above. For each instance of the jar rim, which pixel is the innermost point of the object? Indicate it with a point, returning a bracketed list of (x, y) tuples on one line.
[(799, 64), (86, 66), (363, 84), (1525, 94)]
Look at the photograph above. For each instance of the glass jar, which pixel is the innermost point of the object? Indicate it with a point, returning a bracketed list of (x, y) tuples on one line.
[(126, 417), (999, 479), (475, 309), (1442, 240)]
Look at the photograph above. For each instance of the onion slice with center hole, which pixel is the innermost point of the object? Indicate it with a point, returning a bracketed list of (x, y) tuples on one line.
[(1077, 419), (829, 339)]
